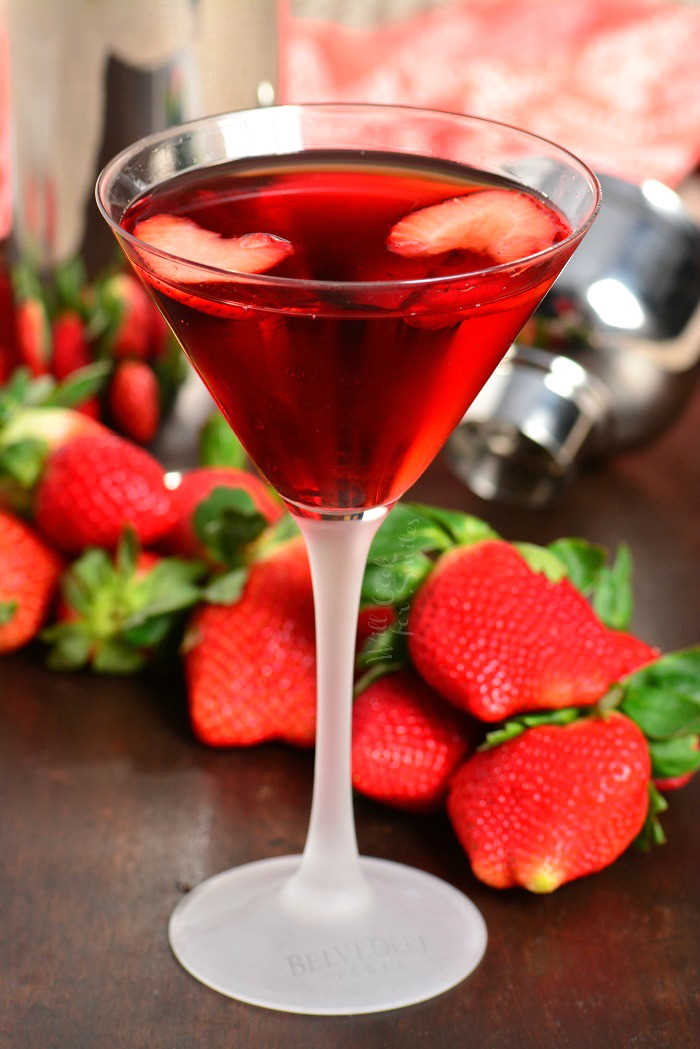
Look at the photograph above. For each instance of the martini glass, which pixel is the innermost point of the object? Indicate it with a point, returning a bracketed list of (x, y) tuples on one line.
[(342, 392)]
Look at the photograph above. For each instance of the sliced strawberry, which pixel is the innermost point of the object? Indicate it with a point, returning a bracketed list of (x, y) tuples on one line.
[(250, 253), (502, 224)]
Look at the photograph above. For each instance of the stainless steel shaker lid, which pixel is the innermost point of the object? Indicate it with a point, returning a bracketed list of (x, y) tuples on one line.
[(521, 436)]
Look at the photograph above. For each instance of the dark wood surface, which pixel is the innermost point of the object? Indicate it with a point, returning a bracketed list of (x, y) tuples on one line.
[(110, 811)]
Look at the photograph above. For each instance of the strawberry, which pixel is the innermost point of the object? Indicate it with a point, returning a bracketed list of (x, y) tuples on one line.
[(178, 236), (54, 426), (216, 536), (555, 803), (114, 613), (28, 434), (29, 570), (129, 312), (71, 351), (251, 253), (501, 224), (406, 742), (134, 401), (33, 335), (70, 346), (251, 665), (495, 637), (94, 485)]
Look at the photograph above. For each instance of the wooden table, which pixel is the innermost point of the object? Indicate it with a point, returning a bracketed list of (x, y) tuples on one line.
[(110, 811)]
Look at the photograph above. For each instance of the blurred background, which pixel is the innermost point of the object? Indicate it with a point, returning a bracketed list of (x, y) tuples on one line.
[(613, 354)]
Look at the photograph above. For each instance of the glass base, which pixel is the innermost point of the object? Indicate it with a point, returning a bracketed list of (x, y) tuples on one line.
[(411, 937)]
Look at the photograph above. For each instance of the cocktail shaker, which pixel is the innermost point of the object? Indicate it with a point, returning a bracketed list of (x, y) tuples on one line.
[(91, 76), (635, 284)]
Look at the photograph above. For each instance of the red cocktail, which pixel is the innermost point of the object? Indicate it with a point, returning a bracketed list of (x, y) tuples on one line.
[(344, 279), (342, 391)]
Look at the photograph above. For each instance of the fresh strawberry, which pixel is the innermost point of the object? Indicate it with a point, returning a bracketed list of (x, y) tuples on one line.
[(28, 435), (251, 253), (553, 804), (215, 536), (495, 637), (134, 401), (500, 224), (54, 426), (251, 665), (93, 486), (129, 312), (33, 336), (29, 570), (406, 742), (114, 613), (71, 349), (178, 236)]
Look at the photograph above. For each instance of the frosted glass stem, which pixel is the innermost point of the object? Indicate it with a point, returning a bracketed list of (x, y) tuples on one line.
[(329, 877)]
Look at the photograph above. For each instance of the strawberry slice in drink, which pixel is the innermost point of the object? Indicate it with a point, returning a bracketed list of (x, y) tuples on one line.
[(176, 235), (500, 224)]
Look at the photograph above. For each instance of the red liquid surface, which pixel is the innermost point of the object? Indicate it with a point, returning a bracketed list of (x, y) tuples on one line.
[(341, 395)]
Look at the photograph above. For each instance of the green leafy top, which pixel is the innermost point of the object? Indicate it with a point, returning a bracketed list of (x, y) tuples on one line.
[(119, 611), (218, 444)]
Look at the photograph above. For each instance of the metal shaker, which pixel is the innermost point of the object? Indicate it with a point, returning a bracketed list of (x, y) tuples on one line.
[(91, 76), (635, 281)]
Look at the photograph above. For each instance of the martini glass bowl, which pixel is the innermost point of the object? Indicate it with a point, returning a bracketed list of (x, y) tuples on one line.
[(328, 931)]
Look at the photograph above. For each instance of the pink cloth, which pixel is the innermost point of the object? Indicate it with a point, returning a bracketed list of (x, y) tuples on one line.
[(616, 81)]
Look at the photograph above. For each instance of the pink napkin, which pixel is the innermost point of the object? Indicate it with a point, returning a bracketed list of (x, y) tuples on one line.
[(616, 81)]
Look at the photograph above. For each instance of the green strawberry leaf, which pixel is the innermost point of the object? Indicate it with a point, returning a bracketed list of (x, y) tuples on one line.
[(612, 593), (71, 646), (541, 559), (652, 833), (75, 593), (407, 531), (117, 657), (14, 394), (150, 633), (25, 282), (79, 386), (127, 552), (93, 571), (23, 461), (226, 521), (387, 646), (674, 757), (7, 610), (69, 280), (394, 581), (583, 560), (226, 588), (516, 726), (105, 315), (463, 529), (170, 586), (218, 444), (40, 390), (663, 698)]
